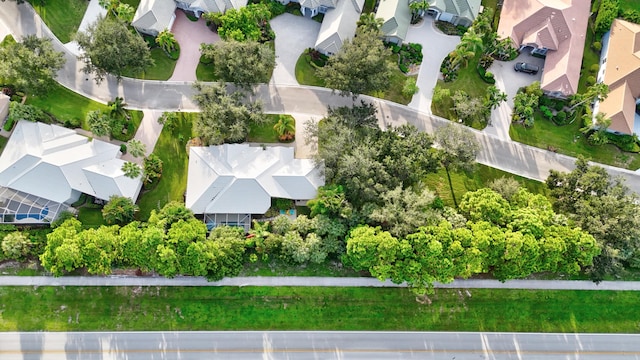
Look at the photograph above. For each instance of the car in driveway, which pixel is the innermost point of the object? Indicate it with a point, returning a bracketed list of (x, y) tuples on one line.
[(526, 68)]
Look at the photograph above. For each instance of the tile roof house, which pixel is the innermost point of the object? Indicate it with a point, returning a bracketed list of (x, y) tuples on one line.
[(620, 70), (457, 12), (44, 168), (153, 16), (339, 24), (552, 28), (397, 18), (228, 183)]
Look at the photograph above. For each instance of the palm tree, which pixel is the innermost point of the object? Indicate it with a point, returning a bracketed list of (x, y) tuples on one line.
[(131, 170), (285, 128), (166, 40), (136, 148), (116, 108), (125, 12), (471, 41), (418, 9), (370, 22), (495, 97)]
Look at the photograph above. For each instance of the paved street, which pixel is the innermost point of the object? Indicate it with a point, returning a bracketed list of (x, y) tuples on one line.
[(308, 281), (435, 47), (301, 345), (497, 152)]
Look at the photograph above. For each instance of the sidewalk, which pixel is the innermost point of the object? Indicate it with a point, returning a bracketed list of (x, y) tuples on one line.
[(309, 281)]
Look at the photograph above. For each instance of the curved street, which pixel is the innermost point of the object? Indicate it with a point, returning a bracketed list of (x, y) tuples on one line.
[(503, 154)]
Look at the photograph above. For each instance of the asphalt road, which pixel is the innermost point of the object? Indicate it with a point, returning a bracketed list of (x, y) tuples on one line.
[(316, 345)]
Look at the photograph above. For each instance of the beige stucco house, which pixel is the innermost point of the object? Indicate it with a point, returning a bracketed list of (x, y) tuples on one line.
[(552, 28), (620, 70)]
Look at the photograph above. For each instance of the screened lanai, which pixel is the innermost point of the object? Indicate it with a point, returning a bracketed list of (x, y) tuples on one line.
[(19, 207)]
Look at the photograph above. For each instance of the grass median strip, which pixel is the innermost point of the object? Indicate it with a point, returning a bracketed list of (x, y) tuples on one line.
[(286, 308)]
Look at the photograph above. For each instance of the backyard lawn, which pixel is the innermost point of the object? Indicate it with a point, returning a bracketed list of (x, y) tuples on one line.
[(479, 178), (91, 216), (630, 4), (569, 141), (310, 308), (590, 57), (63, 17), (264, 133), (171, 148)]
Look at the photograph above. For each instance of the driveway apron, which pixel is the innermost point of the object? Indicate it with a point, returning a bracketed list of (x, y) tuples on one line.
[(294, 34), (435, 47), (190, 34)]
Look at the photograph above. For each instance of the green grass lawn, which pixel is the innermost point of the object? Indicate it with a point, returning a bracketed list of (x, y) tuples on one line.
[(479, 178), (545, 133), (205, 72), (470, 82), (368, 6), (308, 308), (65, 104), (171, 148), (90, 217), (63, 17), (589, 57), (305, 72), (162, 70), (264, 133), (630, 4)]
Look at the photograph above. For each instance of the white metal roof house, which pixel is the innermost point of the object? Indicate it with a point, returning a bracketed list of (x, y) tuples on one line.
[(44, 168), (153, 16), (397, 18), (228, 183), (457, 12), (312, 8), (339, 24)]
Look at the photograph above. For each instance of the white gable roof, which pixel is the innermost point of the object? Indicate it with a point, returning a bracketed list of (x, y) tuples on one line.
[(240, 179), (53, 162), (338, 25), (155, 15)]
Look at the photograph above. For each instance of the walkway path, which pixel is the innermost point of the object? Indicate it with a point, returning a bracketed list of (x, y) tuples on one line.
[(435, 47), (308, 281), (190, 34), (500, 153)]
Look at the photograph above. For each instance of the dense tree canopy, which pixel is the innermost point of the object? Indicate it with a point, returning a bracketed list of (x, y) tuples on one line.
[(224, 117), (248, 23), (242, 63), (30, 65), (361, 66), (604, 208), (110, 48)]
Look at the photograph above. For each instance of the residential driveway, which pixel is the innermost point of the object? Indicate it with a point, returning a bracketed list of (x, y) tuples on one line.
[(190, 34), (294, 34), (509, 81), (435, 47)]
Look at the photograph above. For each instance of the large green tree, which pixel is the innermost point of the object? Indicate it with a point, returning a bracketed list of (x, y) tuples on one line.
[(248, 23), (119, 210), (241, 63), (361, 66), (224, 117), (30, 65), (109, 47)]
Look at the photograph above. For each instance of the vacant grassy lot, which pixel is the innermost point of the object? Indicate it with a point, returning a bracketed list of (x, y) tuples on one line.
[(264, 133), (63, 17), (171, 148), (569, 141), (260, 308), (474, 180)]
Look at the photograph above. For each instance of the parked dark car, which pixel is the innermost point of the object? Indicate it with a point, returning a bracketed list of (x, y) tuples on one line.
[(526, 68)]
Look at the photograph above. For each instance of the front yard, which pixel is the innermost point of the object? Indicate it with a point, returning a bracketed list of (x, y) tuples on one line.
[(569, 141), (161, 70), (63, 17)]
